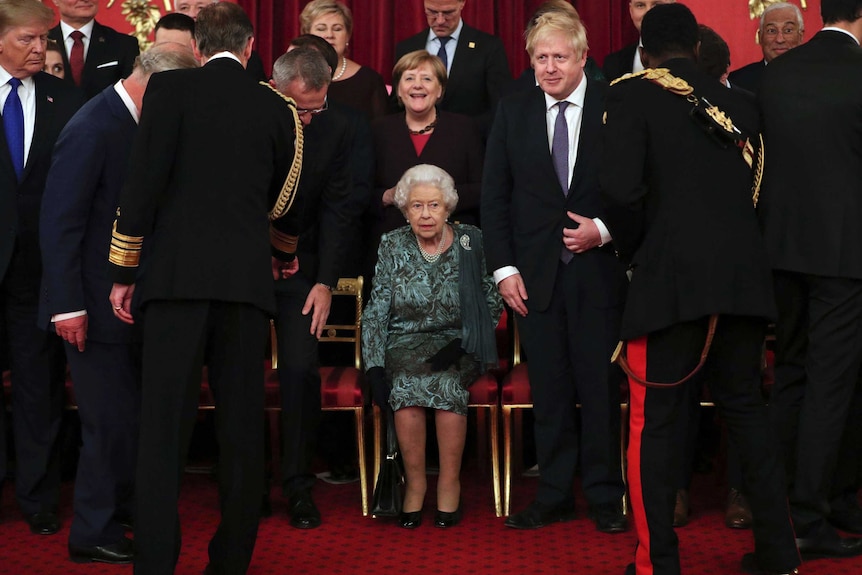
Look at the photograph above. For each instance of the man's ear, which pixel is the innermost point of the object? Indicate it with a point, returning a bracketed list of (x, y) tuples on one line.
[(249, 47), (644, 57), (197, 53)]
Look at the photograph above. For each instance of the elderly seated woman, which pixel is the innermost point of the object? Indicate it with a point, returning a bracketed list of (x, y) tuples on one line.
[(428, 331)]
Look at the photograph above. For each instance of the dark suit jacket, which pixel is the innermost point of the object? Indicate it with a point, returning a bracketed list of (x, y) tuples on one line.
[(811, 205), (620, 62), (680, 205), (479, 72), (110, 57), (454, 145), (56, 102), (90, 165), (523, 208), (323, 212), (211, 153), (748, 77)]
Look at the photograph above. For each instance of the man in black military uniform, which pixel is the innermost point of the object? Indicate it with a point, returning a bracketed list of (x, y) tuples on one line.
[(680, 207)]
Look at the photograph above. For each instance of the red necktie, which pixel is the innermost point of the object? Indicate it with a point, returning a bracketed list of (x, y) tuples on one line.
[(76, 57)]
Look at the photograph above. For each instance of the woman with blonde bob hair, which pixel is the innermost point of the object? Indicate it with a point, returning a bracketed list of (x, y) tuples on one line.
[(353, 84)]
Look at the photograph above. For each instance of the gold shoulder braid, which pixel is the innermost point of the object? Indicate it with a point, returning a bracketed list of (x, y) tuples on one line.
[(291, 182), (713, 121)]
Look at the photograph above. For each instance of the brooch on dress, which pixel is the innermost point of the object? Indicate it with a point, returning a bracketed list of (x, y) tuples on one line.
[(465, 242)]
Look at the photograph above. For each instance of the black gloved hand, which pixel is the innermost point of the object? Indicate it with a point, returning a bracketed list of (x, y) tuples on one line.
[(376, 377), (448, 356)]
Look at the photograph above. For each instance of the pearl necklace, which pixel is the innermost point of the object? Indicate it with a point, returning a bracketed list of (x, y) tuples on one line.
[(431, 258), (343, 68)]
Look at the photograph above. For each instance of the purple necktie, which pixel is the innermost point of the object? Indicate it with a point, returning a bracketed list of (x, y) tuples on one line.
[(560, 147), (13, 125), (560, 156)]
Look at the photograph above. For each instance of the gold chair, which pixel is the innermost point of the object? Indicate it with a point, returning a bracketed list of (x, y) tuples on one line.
[(341, 387)]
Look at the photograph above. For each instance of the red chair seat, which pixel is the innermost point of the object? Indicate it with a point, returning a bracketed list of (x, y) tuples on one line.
[(516, 387), (340, 387), (485, 390)]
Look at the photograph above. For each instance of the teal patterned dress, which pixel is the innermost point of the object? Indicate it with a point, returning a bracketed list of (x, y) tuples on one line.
[(414, 311)]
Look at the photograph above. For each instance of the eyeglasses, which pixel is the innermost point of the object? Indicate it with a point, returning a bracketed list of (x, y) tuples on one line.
[(445, 14), (303, 111)]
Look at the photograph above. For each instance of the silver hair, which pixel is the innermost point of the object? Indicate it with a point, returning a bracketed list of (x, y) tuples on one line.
[(429, 175), (780, 6), (305, 64), (163, 57)]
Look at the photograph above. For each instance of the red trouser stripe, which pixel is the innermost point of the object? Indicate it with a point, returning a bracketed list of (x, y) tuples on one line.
[(637, 356)]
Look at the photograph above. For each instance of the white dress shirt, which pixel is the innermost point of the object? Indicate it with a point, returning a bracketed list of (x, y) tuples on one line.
[(86, 30)]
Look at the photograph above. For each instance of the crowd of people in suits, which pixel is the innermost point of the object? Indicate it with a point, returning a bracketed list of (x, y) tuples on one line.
[(161, 206)]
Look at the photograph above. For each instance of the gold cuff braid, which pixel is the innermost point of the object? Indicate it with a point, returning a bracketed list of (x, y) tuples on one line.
[(125, 250), (283, 242)]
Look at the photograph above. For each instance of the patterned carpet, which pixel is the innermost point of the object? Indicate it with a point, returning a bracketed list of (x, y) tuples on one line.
[(349, 544)]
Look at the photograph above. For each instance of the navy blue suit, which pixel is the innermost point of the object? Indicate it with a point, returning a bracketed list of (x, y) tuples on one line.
[(81, 194), (35, 357)]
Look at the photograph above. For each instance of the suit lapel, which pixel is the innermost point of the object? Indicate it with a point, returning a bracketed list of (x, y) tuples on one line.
[(44, 120), (96, 53), (589, 136), (461, 61), (536, 122), (5, 158)]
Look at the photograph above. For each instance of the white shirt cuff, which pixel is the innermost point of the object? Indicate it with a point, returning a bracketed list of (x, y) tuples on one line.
[(504, 272), (69, 315), (603, 230)]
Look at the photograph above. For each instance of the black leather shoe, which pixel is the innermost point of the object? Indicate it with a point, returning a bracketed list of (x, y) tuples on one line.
[(447, 518), (43, 523), (118, 553), (303, 512), (847, 517), (534, 517), (750, 565), (609, 517), (410, 519), (829, 544)]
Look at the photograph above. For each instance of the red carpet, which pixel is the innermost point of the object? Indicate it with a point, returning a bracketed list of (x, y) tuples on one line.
[(349, 544)]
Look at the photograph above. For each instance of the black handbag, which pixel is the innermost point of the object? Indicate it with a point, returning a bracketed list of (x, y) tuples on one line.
[(388, 498)]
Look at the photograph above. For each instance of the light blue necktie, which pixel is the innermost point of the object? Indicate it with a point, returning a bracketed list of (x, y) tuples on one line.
[(441, 53), (13, 125)]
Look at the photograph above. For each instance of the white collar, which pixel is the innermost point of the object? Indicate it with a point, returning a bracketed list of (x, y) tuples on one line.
[(454, 35), (127, 100), (834, 29), (224, 54), (576, 97), (86, 29)]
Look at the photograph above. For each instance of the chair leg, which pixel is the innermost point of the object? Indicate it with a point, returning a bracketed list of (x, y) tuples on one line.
[(359, 414), (495, 458), (507, 458)]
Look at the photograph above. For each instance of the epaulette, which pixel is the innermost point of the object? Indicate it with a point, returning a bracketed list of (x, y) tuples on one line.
[(628, 76)]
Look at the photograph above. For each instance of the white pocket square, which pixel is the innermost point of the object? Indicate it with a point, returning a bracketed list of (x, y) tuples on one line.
[(108, 64)]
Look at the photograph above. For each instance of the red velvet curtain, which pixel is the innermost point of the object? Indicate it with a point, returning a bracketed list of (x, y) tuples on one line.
[(380, 24)]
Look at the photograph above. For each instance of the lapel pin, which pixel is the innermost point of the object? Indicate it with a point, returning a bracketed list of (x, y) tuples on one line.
[(50, 100), (471, 45), (465, 242), (102, 39)]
